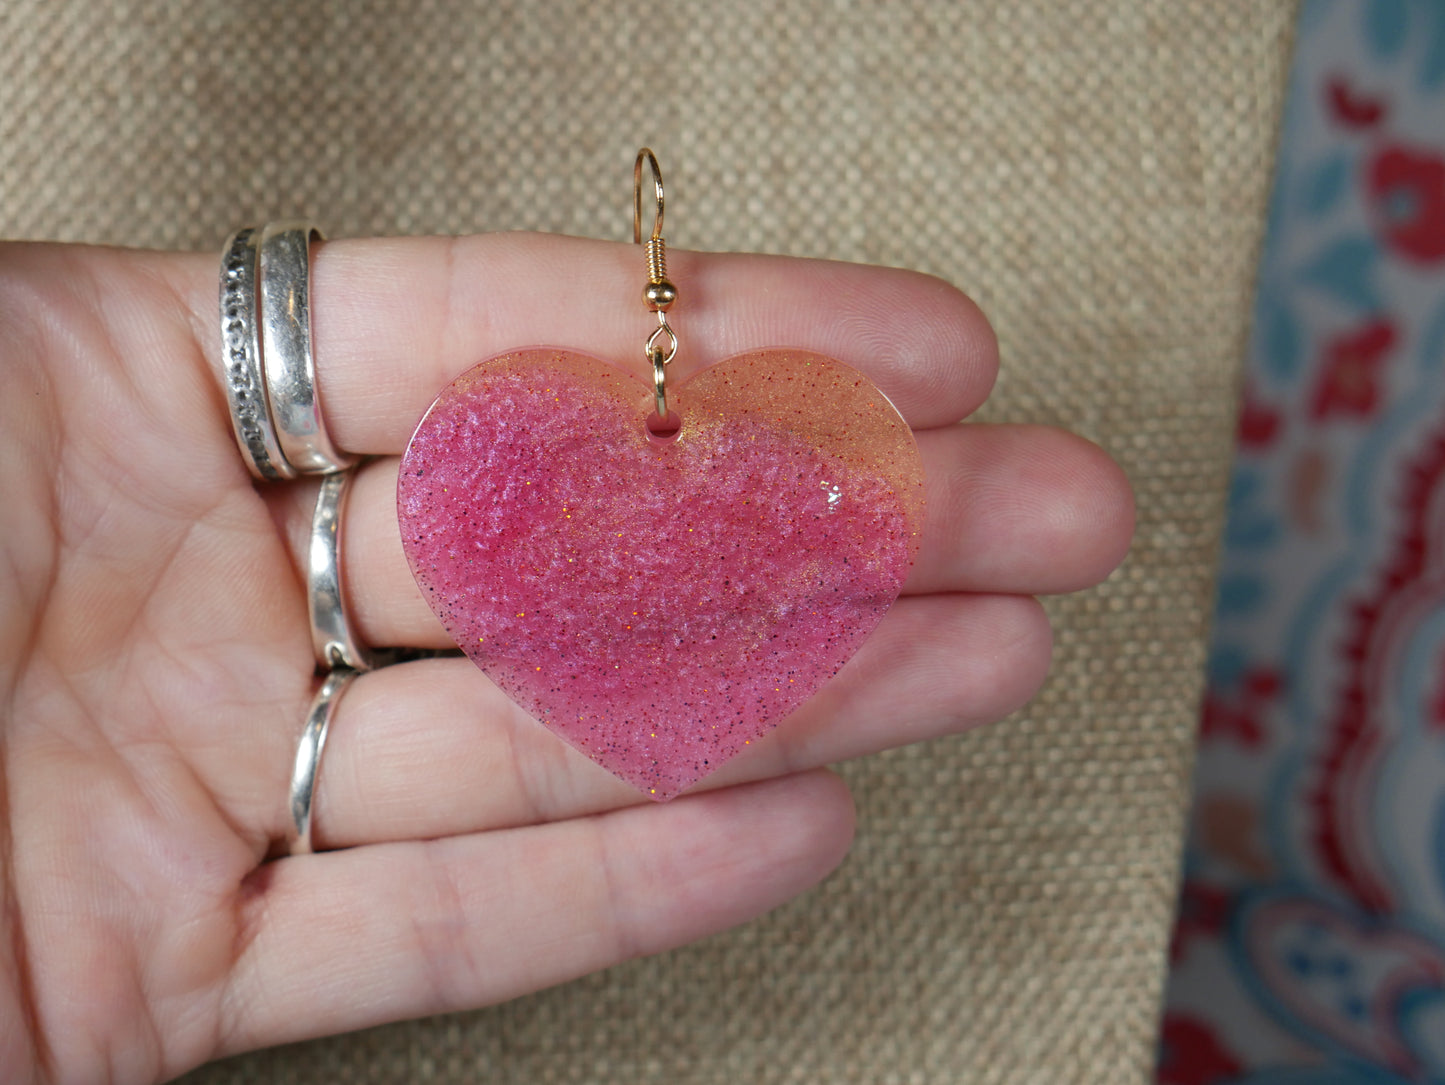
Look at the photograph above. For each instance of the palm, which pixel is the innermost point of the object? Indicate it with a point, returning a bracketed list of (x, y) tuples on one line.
[(154, 644), (158, 666)]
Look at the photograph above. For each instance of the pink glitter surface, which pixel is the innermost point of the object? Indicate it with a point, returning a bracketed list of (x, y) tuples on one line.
[(660, 604)]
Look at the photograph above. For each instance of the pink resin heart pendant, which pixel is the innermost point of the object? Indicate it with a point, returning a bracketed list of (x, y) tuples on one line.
[(660, 602)]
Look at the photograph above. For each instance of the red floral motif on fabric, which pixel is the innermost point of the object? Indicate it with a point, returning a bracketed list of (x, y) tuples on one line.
[(1406, 189), (1203, 910), (1259, 423), (1236, 714), (1351, 109), (1350, 372), (1193, 1055)]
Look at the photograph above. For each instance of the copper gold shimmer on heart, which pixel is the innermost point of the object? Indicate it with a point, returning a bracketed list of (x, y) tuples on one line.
[(660, 603)]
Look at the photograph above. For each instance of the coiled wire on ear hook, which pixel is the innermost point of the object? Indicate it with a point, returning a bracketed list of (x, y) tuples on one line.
[(659, 293)]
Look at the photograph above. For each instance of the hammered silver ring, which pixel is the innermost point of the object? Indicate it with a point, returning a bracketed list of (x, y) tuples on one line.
[(307, 768), (334, 641)]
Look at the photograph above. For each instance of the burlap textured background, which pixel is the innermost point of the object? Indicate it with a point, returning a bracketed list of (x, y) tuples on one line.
[(1093, 171)]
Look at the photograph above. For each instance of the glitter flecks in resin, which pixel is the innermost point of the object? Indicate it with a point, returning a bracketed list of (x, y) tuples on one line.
[(660, 604)]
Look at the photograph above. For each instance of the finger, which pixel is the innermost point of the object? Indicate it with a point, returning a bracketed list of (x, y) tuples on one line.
[(357, 938), (1025, 510), (397, 319), (1030, 510), (433, 748)]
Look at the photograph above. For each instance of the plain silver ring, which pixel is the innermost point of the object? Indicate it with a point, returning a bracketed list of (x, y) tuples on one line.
[(284, 292), (247, 395), (331, 635), (308, 756)]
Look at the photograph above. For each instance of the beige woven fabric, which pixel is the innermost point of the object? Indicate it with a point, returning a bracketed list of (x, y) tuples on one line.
[(1093, 171)]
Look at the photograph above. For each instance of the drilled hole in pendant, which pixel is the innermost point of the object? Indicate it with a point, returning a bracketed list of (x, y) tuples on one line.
[(663, 431)]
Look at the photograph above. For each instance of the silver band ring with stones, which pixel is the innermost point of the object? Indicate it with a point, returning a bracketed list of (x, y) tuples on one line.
[(307, 767), (284, 293), (246, 390)]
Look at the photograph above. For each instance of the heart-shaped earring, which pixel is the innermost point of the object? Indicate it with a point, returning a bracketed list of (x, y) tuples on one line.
[(660, 575)]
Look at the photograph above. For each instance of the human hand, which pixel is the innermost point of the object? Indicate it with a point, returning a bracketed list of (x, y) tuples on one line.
[(156, 666)]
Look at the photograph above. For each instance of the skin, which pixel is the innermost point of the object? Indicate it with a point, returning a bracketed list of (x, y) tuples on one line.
[(155, 661)]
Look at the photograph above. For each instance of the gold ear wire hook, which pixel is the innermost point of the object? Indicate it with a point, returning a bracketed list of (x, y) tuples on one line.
[(651, 159), (659, 294)]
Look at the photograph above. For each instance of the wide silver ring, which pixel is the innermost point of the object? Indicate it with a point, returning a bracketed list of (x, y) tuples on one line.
[(284, 289), (307, 767), (247, 394), (335, 643)]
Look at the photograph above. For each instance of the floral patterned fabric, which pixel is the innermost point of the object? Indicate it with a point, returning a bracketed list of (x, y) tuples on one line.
[(1310, 943)]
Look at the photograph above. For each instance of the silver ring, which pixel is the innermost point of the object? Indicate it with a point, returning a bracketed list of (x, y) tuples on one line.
[(308, 756), (246, 390), (331, 636), (284, 288)]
